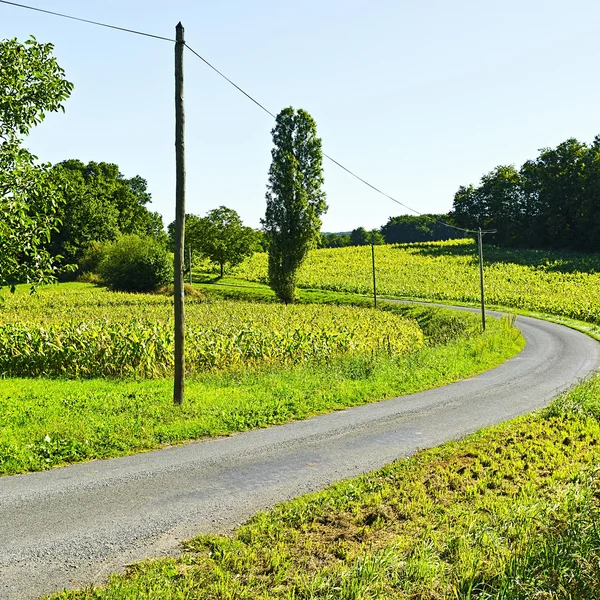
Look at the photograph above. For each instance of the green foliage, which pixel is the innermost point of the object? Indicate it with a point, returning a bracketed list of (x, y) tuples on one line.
[(220, 236), (333, 240), (362, 237), (92, 257), (136, 264), (31, 84), (422, 228), (295, 201), (28, 203), (550, 202), (99, 205)]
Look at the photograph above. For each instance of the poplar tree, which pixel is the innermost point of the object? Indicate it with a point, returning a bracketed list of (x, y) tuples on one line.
[(295, 200)]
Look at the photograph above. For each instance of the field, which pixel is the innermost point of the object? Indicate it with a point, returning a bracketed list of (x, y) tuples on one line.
[(84, 332), (566, 285), (254, 364)]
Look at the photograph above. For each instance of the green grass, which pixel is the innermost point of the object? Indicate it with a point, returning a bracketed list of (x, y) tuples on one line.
[(511, 512), (46, 423)]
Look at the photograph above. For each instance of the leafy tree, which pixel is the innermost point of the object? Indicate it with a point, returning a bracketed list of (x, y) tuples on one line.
[(295, 201), (220, 236), (550, 202), (359, 237), (334, 240), (31, 84), (375, 237), (419, 228), (100, 204)]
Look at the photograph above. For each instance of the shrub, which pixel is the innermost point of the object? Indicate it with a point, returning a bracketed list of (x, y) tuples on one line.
[(136, 264), (92, 257)]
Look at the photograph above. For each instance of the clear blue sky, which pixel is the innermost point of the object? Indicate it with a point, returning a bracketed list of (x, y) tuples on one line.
[(416, 97)]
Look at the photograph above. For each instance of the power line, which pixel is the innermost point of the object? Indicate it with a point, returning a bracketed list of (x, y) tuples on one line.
[(237, 87), (324, 154), (57, 14), (350, 172)]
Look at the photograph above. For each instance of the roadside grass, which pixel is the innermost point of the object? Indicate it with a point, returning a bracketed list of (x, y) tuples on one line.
[(511, 512), (46, 423)]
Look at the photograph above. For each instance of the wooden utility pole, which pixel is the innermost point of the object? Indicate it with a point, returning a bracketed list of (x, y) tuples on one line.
[(374, 281), (179, 385), (480, 244)]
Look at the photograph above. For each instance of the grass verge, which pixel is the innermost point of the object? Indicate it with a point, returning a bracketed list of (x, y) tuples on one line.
[(511, 512), (47, 423)]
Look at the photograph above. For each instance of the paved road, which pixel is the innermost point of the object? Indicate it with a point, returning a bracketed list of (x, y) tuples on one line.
[(72, 526)]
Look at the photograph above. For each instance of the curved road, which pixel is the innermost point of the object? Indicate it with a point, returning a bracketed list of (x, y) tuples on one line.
[(72, 526)]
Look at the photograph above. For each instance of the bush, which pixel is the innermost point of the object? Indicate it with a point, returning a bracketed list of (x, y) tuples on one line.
[(92, 257), (136, 264)]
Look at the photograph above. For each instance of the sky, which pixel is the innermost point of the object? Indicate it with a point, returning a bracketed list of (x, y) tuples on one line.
[(418, 98)]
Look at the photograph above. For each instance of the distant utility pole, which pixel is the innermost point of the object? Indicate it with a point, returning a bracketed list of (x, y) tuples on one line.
[(190, 260), (480, 235), (178, 391), (374, 281)]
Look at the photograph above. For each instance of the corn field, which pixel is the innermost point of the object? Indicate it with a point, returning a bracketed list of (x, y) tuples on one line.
[(83, 333)]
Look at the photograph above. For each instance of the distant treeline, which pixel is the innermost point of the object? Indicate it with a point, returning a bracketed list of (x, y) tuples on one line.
[(398, 230), (550, 202)]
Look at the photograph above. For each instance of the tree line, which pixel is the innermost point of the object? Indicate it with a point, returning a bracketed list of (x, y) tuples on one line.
[(552, 201), (402, 229)]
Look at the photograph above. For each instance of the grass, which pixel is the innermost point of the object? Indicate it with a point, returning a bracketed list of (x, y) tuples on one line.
[(46, 423), (511, 512)]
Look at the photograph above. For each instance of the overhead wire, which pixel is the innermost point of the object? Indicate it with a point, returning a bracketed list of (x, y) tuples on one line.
[(350, 172), (261, 106), (64, 16)]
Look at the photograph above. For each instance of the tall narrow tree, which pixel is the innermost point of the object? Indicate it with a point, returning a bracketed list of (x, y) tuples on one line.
[(295, 200)]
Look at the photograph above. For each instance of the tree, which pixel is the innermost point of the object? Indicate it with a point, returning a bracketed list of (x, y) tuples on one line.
[(100, 204), (334, 240), (295, 201), (550, 202), (375, 237), (359, 237), (134, 263), (418, 228), (31, 84), (220, 236)]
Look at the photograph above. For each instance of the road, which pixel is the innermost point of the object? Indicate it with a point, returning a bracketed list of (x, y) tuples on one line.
[(72, 526)]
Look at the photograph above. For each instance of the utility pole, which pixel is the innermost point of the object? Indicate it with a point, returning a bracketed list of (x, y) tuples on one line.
[(190, 259), (480, 235), (179, 384), (480, 244), (374, 282)]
